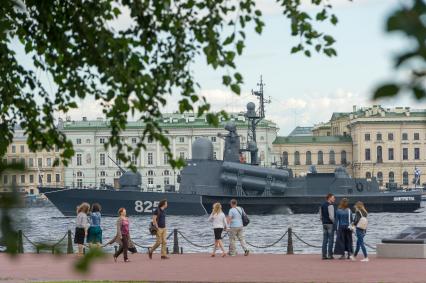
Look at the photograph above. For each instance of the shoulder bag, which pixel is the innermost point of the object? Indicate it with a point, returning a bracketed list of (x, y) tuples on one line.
[(244, 217)]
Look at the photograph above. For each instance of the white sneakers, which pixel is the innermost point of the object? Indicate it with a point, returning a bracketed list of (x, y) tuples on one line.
[(365, 259), (352, 258)]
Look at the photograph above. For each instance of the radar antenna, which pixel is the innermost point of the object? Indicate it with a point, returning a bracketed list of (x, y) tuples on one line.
[(254, 117)]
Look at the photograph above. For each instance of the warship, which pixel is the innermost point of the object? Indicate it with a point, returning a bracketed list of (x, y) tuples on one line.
[(260, 190)]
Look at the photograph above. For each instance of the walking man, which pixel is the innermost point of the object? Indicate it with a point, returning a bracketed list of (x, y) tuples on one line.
[(327, 213), (159, 221), (236, 230)]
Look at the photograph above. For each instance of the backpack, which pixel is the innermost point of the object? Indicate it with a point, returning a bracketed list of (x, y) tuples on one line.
[(244, 217), (362, 223)]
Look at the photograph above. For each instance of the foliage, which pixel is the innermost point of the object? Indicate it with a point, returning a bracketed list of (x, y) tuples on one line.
[(410, 20), (83, 264), (132, 69)]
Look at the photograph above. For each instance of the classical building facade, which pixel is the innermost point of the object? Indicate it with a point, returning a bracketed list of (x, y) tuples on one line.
[(91, 165), (39, 169), (388, 144)]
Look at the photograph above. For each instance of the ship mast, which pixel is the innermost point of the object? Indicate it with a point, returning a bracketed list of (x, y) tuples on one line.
[(253, 118)]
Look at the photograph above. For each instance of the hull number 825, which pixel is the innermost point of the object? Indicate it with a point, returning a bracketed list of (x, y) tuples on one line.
[(145, 206)]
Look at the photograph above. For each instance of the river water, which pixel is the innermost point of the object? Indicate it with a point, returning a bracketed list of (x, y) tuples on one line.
[(46, 224)]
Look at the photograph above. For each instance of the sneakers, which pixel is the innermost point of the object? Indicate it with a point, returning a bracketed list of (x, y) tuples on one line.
[(365, 259), (150, 253), (352, 258), (246, 252)]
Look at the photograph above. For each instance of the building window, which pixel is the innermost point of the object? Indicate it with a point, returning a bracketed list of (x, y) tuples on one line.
[(308, 158), (285, 158), (343, 157), (405, 153), (13, 149), (40, 162), (101, 140), (22, 161), (367, 137), (150, 173), (416, 153), (79, 158), (31, 179), (379, 154), (166, 181), (49, 162), (57, 178), (5, 180), (296, 158), (134, 160), (80, 183), (22, 148), (13, 179), (150, 140), (416, 136), (379, 137), (390, 136), (182, 155), (405, 178), (367, 154), (380, 178), (150, 181), (78, 141), (22, 179), (102, 181), (391, 177), (102, 159), (49, 178), (118, 173), (405, 137), (166, 158), (332, 160), (103, 174), (320, 158), (79, 174), (134, 140), (181, 139), (30, 162), (214, 155), (88, 141), (213, 139), (368, 176), (166, 172), (390, 153), (150, 158), (328, 134)]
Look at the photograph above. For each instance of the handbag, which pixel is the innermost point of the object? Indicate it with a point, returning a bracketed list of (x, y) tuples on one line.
[(152, 229), (244, 217)]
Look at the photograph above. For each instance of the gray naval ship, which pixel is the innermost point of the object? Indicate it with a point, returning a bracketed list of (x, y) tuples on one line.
[(260, 190)]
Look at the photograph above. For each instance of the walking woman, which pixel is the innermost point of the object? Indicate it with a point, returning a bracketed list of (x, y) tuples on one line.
[(219, 223), (94, 235), (81, 226), (123, 235), (360, 222), (344, 232)]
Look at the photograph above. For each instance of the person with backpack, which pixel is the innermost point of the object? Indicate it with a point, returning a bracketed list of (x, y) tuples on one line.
[(361, 223), (327, 215), (159, 222), (344, 230), (236, 220)]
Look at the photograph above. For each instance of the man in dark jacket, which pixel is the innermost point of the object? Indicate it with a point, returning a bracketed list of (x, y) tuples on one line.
[(327, 214)]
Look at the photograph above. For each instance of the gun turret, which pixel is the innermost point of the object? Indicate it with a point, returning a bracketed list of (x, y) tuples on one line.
[(129, 180)]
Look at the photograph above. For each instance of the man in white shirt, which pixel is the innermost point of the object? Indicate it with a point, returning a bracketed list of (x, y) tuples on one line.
[(236, 229)]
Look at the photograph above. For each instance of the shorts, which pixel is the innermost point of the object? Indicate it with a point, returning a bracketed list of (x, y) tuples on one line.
[(79, 236), (218, 233)]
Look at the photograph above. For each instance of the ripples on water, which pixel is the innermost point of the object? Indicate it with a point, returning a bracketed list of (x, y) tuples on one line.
[(48, 225)]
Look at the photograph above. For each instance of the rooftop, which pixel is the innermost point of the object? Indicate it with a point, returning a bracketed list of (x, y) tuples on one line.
[(312, 139), (301, 131)]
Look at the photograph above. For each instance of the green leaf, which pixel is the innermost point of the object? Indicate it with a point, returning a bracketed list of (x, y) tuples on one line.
[(236, 88), (386, 90), (226, 80)]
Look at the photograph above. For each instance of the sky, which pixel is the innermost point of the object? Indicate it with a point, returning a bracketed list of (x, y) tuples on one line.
[(304, 91)]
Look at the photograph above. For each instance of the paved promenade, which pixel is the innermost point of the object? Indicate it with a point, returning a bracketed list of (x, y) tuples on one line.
[(201, 267)]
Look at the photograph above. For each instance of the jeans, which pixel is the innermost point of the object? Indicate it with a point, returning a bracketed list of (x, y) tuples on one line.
[(161, 240), (360, 234), (235, 233), (327, 240)]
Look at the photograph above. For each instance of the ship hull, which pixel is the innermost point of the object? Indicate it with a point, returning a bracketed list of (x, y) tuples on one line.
[(142, 203)]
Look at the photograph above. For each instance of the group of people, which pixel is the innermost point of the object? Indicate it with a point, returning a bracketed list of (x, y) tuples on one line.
[(345, 223), (341, 220), (88, 229)]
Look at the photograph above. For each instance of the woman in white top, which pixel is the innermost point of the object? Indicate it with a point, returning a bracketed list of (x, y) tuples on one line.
[(219, 223)]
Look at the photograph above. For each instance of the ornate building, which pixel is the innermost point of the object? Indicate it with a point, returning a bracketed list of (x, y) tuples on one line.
[(385, 143)]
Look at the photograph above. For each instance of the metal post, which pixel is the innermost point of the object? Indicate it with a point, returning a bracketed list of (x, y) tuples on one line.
[(20, 243), (69, 244), (84, 250), (175, 242), (167, 250), (38, 249), (290, 242), (53, 250), (181, 250), (115, 249)]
